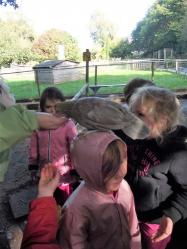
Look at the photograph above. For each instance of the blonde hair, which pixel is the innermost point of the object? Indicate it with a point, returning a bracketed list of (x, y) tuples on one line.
[(160, 102)]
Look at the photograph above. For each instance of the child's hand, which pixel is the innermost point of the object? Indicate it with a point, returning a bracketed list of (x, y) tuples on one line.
[(49, 180), (165, 230)]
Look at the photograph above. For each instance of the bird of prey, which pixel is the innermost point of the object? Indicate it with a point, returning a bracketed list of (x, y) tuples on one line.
[(96, 113)]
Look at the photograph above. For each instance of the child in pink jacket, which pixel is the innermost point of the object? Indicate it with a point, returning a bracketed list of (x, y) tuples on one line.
[(53, 145), (100, 213)]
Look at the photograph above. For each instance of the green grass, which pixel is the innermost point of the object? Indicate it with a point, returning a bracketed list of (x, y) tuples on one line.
[(25, 88)]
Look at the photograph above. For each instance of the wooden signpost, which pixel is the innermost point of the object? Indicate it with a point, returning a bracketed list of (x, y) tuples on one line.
[(87, 58)]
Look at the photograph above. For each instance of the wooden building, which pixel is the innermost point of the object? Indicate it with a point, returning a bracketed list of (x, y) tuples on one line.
[(57, 71)]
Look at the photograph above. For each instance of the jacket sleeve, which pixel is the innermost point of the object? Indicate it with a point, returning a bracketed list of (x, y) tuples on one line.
[(134, 227), (73, 232), (42, 225), (16, 123), (71, 131), (176, 206), (33, 152)]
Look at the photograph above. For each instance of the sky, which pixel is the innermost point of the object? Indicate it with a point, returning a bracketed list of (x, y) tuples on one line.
[(74, 15)]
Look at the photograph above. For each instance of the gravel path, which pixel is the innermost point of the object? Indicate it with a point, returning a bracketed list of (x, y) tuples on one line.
[(16, 179)]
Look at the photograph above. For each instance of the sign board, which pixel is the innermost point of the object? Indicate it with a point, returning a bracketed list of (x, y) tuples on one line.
[(87, 55)]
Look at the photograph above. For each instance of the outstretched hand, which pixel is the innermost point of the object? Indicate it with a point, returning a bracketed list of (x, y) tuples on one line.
[(49, 121), (49, 180), (165, 230)]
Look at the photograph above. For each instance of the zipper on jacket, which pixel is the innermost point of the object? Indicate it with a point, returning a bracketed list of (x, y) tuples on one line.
[(49, 147)]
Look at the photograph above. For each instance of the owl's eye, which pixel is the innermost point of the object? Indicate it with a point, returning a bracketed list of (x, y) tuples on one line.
[(140, 114)]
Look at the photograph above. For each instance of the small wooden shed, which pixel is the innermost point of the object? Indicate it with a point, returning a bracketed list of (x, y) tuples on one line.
[(57, 71)]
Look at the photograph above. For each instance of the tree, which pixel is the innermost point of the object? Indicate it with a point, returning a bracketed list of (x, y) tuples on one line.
[(161, 28), (182, 44), (102, 32), (46, 46), (16, 38), (121, 50), (9, 2)]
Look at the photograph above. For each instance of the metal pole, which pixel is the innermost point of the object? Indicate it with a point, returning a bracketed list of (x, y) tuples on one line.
[(87, 58), (177, 66), (152, 70), (87, 77), (165, 58), (95, 75), (87, 72), (37, 82)]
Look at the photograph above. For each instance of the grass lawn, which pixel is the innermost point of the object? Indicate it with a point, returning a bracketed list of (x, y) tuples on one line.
[(25, 87)]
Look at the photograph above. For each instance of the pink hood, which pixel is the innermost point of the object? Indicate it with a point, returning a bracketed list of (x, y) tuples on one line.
[(87, 155)]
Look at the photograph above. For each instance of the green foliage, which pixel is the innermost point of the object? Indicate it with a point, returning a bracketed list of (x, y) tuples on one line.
[(9, 2), (121, 50), (102, 32), (182, 44), (161, 28), (47, 45), (16, 38), (24, 55)]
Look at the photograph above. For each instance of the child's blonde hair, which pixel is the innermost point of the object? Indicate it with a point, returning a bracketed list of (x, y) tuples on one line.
[(162, 102)]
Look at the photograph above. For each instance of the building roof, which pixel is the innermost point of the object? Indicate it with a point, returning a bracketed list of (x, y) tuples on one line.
[(52, 63)]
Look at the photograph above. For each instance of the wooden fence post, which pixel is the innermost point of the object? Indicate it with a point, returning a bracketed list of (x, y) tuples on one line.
[(177, 66), (87, 58), (152, 70), (95, 74), (37, 82)]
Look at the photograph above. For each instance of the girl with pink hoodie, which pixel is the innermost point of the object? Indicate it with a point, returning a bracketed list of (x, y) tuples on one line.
[(100, 214)]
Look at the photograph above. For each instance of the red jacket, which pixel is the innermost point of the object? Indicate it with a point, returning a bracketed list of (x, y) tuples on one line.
[(42, 225)]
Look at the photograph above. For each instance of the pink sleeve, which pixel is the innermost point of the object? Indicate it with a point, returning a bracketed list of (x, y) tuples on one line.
[(33, 150), (73, 233), (71, 131), (42, 225), (134, 227)]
